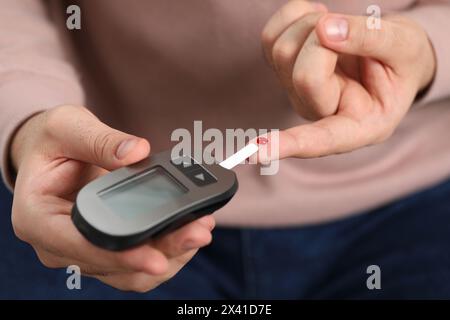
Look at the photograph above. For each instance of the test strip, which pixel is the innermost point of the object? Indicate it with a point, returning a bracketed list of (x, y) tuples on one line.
[(239, 156)]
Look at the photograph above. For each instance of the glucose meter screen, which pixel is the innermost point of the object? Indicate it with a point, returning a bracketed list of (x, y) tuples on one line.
[(142, 194)]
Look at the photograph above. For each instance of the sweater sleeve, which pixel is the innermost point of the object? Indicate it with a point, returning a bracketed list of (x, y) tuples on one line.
[(434, 17), (35, 70)]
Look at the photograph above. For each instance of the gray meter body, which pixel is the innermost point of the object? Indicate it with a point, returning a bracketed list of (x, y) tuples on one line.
[(130, 205)]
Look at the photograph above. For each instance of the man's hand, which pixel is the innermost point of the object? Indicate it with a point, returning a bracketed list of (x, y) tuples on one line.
[(355, 83), (56, 153)]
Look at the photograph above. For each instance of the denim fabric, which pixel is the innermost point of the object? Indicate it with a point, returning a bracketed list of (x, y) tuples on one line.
[(408, 239)]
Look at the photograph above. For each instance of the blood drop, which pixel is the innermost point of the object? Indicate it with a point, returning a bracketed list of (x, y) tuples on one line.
[(262, 140)]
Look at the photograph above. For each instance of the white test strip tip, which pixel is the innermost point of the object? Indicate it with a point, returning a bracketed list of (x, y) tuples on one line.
[(239, 156)]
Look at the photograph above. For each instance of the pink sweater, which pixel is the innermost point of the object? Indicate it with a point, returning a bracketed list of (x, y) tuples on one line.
[(149, 67)]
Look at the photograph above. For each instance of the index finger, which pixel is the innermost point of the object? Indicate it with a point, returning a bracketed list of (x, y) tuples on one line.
[(331, 135)]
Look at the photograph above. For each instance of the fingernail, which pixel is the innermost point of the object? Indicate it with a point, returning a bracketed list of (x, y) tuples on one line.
[(125, 147), (336, 29)]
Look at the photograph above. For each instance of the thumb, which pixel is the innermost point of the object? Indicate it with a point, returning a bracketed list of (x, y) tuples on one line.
[(355, 35), (85, 138)]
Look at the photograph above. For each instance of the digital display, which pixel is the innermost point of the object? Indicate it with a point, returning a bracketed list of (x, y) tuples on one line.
[(142, 194)]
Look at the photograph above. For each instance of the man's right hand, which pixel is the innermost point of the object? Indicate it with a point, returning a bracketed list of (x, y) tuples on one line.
[(55, 154)]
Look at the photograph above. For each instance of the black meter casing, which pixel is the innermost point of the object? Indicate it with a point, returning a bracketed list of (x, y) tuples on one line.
[(193, 190)]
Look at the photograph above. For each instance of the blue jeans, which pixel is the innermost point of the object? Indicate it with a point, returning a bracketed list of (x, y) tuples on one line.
[(408, 239)]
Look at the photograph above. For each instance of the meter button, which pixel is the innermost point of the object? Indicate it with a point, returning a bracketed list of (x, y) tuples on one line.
[(185, 164), (200, 177)]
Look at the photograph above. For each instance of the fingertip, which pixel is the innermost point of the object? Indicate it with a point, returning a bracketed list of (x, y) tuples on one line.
[(157, 265), (138, 149), (198, 237), (143, 258), (142, 149), (204, 239), (208, 221), (208, 239), (268, 148)]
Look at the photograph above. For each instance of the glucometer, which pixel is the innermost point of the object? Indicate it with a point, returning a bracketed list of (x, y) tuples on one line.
[(152, 197)]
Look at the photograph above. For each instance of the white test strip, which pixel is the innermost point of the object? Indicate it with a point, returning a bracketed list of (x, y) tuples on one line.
[(239, 156)]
